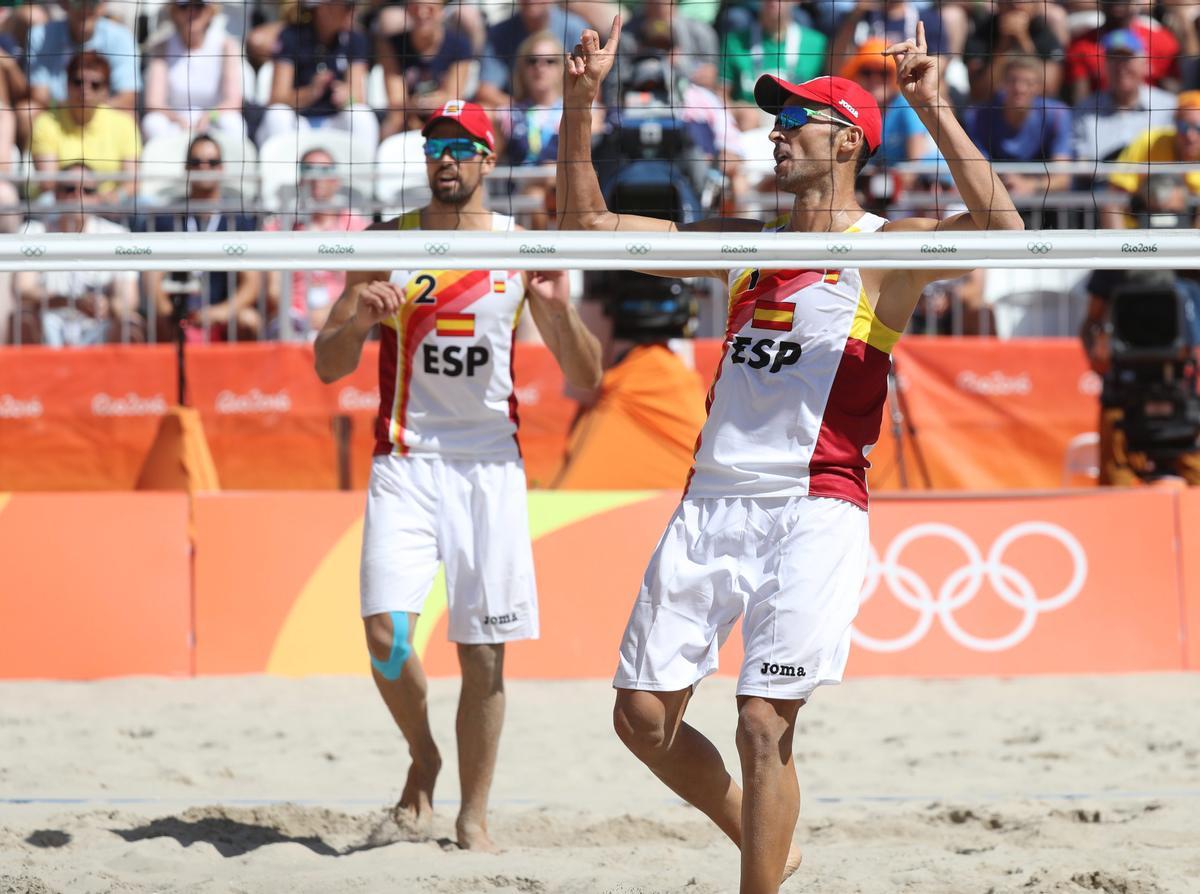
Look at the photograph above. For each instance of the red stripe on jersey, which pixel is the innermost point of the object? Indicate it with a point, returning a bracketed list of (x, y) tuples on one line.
[(513, 410), (850, 424), (388, 355)]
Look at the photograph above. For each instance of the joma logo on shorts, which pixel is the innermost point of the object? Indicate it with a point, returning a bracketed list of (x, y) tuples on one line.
[(781, 670), (493, 620)]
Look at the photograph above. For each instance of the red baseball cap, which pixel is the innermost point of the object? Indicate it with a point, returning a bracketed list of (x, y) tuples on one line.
[(845, 97), (469, 116)]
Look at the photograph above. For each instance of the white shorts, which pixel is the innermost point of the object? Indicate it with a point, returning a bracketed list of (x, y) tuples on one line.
[(470, 515), (793, 566)]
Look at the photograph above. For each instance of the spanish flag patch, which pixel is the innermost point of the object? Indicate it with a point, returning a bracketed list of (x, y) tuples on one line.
[(831, 276), (776, 315), (458, 325), (499, 286)]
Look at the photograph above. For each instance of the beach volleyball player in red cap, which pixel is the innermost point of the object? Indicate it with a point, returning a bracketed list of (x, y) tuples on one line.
[(447, 484), (772, 527)]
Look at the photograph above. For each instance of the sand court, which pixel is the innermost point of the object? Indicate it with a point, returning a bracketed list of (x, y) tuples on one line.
[(1055, 784)]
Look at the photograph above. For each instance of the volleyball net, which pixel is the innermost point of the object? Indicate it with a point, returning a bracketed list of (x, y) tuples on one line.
[(313, 113)]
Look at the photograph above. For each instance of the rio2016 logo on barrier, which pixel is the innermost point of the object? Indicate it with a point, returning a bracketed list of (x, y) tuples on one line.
[(33, 251), (838, 248), (1039, 248), (235, 249), (963, 584), (637, 248), (437, 248)]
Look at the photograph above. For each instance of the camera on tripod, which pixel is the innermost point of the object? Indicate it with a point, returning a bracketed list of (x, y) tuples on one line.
[(1153, 374), (654, 161), (644, 309)]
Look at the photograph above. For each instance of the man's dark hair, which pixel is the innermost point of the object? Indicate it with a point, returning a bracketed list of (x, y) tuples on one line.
[(89, 60), (204, 138)]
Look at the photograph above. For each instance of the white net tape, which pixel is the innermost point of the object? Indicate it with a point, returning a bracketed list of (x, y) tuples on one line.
[(468, 250)]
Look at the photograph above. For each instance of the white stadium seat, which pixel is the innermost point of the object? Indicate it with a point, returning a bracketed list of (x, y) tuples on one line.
[(279, 164), (163, 174), (401, 184)]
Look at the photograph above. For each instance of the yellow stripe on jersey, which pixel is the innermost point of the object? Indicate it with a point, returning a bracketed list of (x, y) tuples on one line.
[(870, 329), (773, 316)]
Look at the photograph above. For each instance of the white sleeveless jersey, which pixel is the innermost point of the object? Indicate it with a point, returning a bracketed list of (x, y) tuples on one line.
[(798, 397), (445, 362)]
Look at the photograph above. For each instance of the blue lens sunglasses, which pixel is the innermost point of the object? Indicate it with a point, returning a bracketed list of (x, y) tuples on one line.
[(791, 117), (460, 148)]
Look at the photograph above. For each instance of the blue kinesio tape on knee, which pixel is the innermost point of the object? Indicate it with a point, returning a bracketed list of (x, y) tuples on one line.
[(390, 669)]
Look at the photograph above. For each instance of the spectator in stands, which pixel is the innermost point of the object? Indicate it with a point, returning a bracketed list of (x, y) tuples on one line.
[(1031, 29), (1086, 71), (68, 308), (424, 66), (211, 310), (13, 89), (88, 130), (660, 25), (1180, 142), (1020, 124), (504, 38), (85, 28), (313, 291), (1182, 19), (1108, 121), (893, 22), (194, 75), (320, 76), (14, 93), (777, 44)]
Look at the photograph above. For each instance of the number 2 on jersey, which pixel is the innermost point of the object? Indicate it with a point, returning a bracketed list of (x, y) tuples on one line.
[(426, 282)]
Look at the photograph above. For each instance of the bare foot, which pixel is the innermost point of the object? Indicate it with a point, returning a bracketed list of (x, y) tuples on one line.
[(474, 837), (414, 811), (792, 864)]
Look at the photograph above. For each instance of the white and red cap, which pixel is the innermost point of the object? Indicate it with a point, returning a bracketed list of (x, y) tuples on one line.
[(845, 97), (469, 116)]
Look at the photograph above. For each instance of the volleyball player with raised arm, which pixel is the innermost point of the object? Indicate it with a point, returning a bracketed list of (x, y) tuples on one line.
[(772, 527), (447, 483)]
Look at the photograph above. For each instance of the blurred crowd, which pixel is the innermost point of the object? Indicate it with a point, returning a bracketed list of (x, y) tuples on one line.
[(192, 115)]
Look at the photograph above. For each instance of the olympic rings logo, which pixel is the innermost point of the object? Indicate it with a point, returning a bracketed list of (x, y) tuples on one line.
[(437, 248), (838, 248), (33, 251), (637, 248), (235, 248), (1039, 248), (963, 584)]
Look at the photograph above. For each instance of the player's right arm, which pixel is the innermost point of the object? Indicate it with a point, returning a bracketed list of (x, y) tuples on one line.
[(367, 299), (581, 204)]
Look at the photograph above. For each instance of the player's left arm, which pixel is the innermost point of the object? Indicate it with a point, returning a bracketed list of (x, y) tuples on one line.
[(989, 205), (575, 348)]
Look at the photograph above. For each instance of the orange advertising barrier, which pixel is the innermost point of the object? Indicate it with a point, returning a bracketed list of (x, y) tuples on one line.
[(1188, 552), (1073, 583), (1078, 582), (988, 415), (94, 585)]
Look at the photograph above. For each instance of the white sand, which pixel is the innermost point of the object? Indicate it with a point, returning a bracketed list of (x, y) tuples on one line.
[(1035, 785)]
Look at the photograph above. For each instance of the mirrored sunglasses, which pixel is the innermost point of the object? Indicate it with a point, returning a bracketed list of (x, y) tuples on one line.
[(460, 148), (791, 117)]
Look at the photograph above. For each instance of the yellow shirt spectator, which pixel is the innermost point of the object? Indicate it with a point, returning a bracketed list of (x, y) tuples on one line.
[(106, 143), (1153, 145)]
